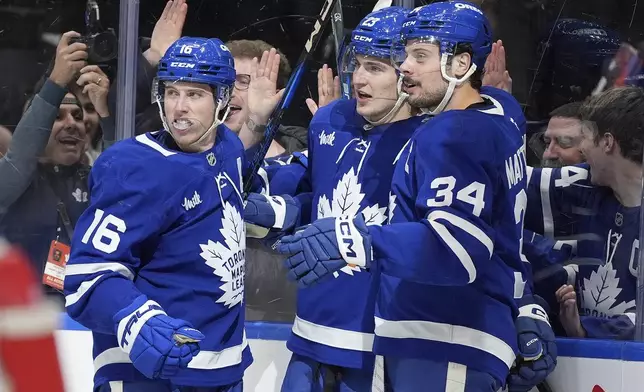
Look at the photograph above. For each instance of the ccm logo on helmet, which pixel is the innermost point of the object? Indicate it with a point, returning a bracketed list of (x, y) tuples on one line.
[(362, 38), (469, 7), (182, 65)]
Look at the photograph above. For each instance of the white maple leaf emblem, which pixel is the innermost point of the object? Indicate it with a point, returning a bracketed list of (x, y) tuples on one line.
[(228, 259), (600, 292), (374, 215), (392, 206), (347, 196), (324, 207)]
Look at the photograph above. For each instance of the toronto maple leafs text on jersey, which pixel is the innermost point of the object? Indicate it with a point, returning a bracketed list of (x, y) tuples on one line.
[(602, 238), (450, 263), (167, 225), (350, 166)]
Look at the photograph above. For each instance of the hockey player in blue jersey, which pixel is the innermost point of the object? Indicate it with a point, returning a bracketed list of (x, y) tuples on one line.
[(598, 205), (157, 265), (353, 145), (449, 305)]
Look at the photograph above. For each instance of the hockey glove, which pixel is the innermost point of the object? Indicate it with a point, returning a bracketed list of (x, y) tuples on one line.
[(537, 356), (157, 345), (324, 247), (264, 214)]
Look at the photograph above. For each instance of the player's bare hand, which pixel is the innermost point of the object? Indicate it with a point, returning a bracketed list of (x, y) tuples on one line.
[(69, 59), (328, 89), (96, 85), (496, 73), (263, 95), (167, 30), (568, 312)]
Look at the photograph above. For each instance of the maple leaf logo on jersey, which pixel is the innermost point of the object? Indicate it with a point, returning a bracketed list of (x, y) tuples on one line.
[(347, 197), (601, 291), (228, 259), (392, 206)]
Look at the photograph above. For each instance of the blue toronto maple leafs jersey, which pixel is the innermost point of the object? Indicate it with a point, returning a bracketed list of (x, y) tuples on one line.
[(350, 166), (284, 174), (546, 258), (602, 236), (450, 261), (168, 225)]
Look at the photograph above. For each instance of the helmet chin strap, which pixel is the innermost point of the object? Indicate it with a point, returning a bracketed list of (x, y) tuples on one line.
[(216, 122), (402, 97), (453, 82)]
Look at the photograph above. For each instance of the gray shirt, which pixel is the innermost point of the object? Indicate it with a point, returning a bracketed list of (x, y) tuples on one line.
[(18, 166)]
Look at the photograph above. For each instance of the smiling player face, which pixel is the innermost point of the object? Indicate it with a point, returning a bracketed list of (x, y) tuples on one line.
[(190, 112), (374, 86)]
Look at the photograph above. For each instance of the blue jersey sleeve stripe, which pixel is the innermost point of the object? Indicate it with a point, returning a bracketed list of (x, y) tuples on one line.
[(453, 244), (92, 268), (83, 288), (546, 207), (85, 284)]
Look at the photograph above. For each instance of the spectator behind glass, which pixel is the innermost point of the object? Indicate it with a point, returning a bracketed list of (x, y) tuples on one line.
[(44, 180), (91, 118), (611, 143), (562, 137), (288, 138), (5, 139)]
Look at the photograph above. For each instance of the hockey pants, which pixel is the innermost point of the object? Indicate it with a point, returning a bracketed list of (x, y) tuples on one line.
[(413, 375), (163, 386), (307, 375)]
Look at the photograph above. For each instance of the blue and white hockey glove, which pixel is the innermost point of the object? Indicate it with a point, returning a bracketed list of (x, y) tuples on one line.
[(324, 247), (264, 214), (537, 356), (157, 345)]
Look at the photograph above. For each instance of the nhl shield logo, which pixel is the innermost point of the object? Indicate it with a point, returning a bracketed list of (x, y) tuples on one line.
[(619, 219), (211, 159)]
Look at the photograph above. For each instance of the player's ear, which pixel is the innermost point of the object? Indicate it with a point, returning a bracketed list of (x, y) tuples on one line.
[(461, 64), (608, 143)]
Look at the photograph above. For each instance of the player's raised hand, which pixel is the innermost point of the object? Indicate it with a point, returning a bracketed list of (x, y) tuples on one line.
[(70, 59), (263, 95), (495, 71), (328, 89), (96, 85), (568, 312), (167, 30)]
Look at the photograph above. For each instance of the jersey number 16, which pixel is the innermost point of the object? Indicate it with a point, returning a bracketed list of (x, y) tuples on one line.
[(104, 238)]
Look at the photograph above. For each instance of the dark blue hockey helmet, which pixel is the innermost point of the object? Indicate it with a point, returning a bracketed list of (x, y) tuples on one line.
[(199, 60), (378, 31), (448, 24), (574, 52), (374, 37)]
